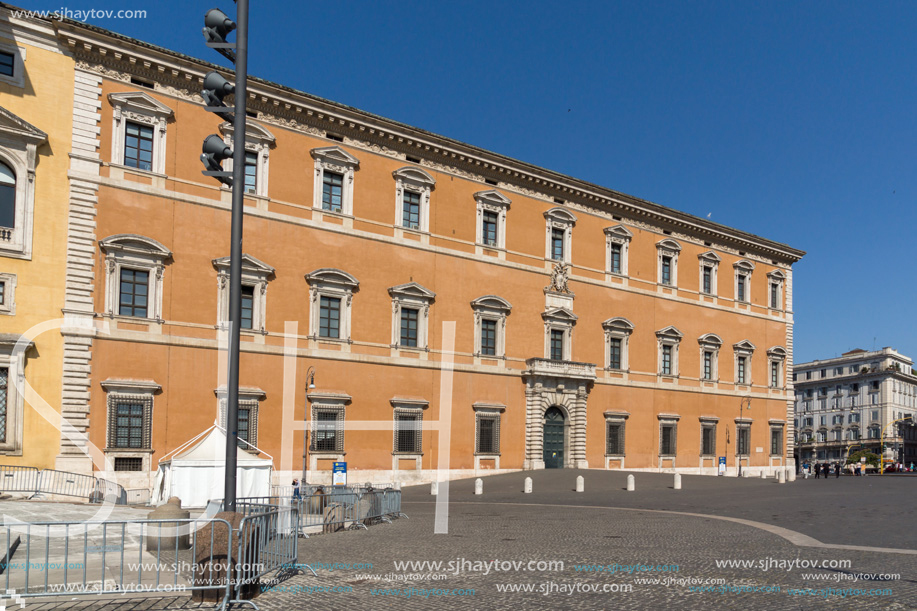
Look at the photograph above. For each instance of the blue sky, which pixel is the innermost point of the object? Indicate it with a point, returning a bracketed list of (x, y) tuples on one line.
[(791, 120)]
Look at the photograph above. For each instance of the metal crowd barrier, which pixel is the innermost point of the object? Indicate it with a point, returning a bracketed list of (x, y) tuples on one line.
[(118, 557), (18, 479), (49, 481), (138, 496), (267, 543)]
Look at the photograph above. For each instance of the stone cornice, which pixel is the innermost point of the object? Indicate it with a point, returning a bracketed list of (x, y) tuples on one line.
[(115, 56)]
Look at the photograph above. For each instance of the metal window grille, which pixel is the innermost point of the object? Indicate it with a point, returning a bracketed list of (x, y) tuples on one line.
[(489, 230), (557, 244), (134, 288), (138, 146), (708, 440), (251, 172), (124, 463), (667, 270), (557, 345), (614, 438), (488, 337), (616, 258), (666, 360), (411, 210), (332, 191), (329, 317), (408, 432), (614, 353), (409, 327), (7, 61), (488, 434), (248, 306), (667, 437), (129, 425), (4, 398), (328, 430), (743, 437)]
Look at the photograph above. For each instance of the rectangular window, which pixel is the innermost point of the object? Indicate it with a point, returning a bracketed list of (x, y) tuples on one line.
[(332, 191), (2, 293), (614, 353), (740, 288), (615, 258), (708, 280), (329, 317), (488, 337), (614, 440), (808, 375), (708, 441), (557, 244), (875, 414), (326, 436), (124, 463), (7, 60), (557, 345), (138, 146), (708, 365), (775, 374), (251, 172), (248, 304), (667, 440), (133, 289), (775, 291), (409, 327), (740, 374), (129, 425), (666, 360), (488, 435), (4, 396), (407, 433), (489, 229), (411, 211), (776, 442), (667, 270), (244, 425), (743, 435)]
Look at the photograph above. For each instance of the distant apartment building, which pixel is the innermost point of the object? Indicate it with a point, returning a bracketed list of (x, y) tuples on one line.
[(852, 402)]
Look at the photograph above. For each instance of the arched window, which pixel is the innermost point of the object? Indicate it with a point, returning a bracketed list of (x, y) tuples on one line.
[(7, 196)]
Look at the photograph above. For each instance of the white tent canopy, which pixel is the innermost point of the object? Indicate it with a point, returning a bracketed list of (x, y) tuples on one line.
[(195, 471)]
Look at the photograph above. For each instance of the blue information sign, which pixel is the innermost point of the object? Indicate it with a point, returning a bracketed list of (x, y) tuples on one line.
[(339, 474), (722, 466)]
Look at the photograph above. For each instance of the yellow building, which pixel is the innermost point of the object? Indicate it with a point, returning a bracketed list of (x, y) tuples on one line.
[(36, 115)]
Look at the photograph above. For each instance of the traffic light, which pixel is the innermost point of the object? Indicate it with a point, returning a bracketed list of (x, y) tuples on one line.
[(215, 89), (214, 152), (216, 27)]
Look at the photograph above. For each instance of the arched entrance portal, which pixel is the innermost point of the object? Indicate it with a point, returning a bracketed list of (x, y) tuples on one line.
[(553, 440)]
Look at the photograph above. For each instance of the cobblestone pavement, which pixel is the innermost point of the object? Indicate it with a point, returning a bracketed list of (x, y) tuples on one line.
[(357, 569)]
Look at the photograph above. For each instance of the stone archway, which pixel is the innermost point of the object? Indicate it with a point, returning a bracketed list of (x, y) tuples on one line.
[(564, 385)]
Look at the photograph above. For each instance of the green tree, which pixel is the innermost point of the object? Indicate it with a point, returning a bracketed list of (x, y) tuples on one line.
[(871, 458)]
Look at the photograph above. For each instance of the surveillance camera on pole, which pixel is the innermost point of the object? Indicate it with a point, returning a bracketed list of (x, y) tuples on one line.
[(217, 27)]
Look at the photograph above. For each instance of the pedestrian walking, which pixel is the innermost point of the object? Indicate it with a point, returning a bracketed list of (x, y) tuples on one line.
[(805, 470), (817, 470), (837, 470), (824, 470)]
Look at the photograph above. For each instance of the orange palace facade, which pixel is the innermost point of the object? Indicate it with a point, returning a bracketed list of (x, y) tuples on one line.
[(439, 291)]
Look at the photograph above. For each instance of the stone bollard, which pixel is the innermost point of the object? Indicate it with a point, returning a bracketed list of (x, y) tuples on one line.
[(479, 486), (631, 483), (434, 488), (580, 483), (791, 475), (745, 473), (678, 481), (528, 485), (763, 474), (781, 476), (163, 536), (212, 567)]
